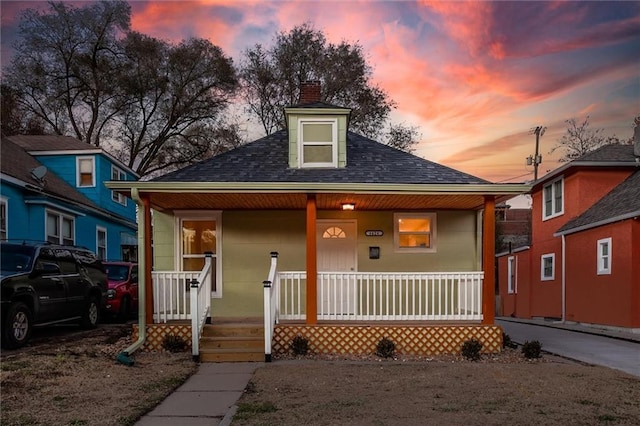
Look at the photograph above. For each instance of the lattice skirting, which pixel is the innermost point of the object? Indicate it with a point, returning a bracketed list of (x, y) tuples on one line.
[(409, 340), (156, 332)]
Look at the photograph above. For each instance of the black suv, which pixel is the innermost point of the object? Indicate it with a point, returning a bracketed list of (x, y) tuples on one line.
[(44, 284)]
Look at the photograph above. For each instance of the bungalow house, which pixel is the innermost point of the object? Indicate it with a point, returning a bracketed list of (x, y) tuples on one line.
[(52, 190), (583, 264), (318, 231)]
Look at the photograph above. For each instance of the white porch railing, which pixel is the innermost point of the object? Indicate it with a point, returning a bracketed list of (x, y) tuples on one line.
[(184, 295), (271, 291), (382, 296)]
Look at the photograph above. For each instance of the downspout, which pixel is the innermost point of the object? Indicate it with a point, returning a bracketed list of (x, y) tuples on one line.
[(564, 282), (123, 357)]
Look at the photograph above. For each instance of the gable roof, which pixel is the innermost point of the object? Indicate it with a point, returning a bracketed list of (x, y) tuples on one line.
[(63, 145), (368, 161), (613, 155), (623, 202), (34, 143), (17, 163)]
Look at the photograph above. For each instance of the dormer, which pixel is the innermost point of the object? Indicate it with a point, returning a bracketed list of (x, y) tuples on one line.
[(317, 131)]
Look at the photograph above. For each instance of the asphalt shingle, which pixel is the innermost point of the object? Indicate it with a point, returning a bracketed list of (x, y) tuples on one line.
[(368, 161)]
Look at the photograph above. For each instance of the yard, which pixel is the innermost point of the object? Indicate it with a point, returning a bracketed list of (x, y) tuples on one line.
[(73, 379)]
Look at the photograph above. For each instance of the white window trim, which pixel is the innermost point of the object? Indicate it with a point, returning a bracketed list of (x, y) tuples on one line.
[(512, 271), (93, 174), (334, 142), (182, 215), (396, 233), (60, 215), (553, 198), (98, 230), (5, 202), (552, 256), (601, 269), (116, 196)]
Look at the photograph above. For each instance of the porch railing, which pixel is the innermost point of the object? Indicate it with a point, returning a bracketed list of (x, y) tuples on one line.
[(200, 305), (184, 295), (271, 291), (382, 296)]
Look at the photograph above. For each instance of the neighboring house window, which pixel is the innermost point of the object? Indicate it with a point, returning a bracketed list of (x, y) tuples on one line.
[(200, 233), (86, 167), (60, 228), (553, 204), (101, 243), (318, 143), (604, 256), (547, 267), (415, 232), (511, 275), (117, 174), (3, 219)]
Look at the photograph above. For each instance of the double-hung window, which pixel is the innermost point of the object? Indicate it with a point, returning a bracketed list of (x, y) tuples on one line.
[(511, 275), (86, 171), (415, 232), (547, 267), (101, 243), (318, 143), (553, 200), (60, 228), (604, 256), (117, 174)]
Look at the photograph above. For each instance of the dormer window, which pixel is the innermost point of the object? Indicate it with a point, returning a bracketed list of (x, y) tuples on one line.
[(318, 142)]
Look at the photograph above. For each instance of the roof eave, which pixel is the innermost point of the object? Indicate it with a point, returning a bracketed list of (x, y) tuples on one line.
[(574, 164), (630, 215), (318, 187)]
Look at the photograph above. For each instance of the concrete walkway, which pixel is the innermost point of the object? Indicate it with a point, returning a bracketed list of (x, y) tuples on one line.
[(206, 398), (609, 348)]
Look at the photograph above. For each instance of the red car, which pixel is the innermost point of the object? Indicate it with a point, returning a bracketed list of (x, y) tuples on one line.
[(122, 295)]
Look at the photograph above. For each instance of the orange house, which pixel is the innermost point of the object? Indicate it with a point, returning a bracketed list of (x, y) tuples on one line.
[(583, 264)]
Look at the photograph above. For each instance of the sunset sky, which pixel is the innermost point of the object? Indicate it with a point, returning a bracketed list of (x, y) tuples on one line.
[(475, 77)]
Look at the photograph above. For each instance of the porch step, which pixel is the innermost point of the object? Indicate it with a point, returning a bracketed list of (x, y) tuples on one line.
[(232, 342), (231, 355)]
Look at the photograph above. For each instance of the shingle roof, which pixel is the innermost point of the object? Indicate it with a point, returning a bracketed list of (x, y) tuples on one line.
[(368, 161), (51, 143), (17, 163), (623, 200), (613, 153)]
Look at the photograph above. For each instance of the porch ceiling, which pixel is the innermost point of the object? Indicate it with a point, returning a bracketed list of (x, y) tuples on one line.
[(297, 201)]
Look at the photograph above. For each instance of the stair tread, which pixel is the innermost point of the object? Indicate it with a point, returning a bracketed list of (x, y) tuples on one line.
[(231, 350)]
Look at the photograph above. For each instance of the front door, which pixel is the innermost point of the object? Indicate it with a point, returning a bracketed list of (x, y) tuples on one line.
[(337, 252)]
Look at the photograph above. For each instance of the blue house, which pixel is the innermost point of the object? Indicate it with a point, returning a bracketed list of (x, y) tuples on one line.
[(52, 189)]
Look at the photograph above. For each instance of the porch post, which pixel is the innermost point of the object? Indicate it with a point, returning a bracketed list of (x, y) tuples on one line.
[(148, 259), (488, 260), (312, 262)]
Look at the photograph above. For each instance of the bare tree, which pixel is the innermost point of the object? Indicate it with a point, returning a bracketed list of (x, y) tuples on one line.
[(401, 136), (580, 139), (85, 74), (271, 79)]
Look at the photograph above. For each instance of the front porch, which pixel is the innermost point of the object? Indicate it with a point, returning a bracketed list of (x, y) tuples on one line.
[(424, 314)]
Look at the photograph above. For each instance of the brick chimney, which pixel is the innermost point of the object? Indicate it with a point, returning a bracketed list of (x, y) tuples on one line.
[(636, 137), (309, 92)]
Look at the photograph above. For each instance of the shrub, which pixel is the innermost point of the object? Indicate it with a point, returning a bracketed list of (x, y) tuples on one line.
[(471, 349), (507, 342), (385, 348), (173, 343), (300, 345), (531, 349)]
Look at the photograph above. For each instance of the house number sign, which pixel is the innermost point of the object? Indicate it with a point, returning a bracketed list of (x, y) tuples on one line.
[(374, 233)]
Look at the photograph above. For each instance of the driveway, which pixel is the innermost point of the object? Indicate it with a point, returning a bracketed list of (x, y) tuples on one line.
[(579, 345)]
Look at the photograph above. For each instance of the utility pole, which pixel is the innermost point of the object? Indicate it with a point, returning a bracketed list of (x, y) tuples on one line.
[(536, 159)]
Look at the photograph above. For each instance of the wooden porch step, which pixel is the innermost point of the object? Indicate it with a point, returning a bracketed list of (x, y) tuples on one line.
[(231, 341), (231, 355)]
